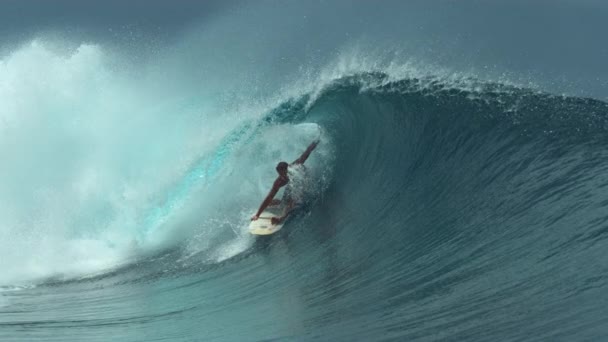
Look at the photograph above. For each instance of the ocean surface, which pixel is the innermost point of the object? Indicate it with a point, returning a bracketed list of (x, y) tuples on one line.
[(459, 192)]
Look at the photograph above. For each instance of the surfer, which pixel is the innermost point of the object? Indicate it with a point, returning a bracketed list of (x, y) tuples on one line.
[(290, 175)]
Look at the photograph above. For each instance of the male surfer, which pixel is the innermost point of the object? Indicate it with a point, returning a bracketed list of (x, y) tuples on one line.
[(293, 192)]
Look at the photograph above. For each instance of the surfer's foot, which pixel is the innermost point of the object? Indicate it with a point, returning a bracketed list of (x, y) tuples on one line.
[(277, 220)]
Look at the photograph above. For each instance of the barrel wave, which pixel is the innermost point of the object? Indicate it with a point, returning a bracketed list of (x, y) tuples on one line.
[(445, 211)]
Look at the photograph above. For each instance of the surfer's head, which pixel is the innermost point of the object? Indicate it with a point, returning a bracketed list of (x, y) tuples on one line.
[(282, 168)]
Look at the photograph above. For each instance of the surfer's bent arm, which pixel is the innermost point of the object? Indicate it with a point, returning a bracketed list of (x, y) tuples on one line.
[(306, 153), (275, 188)]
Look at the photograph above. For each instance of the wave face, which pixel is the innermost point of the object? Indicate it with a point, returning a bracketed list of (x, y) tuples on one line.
[(446, 206), (464, 215)]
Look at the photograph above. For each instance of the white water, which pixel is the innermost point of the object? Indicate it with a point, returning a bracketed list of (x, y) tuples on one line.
[(89, 150), (84, 152)]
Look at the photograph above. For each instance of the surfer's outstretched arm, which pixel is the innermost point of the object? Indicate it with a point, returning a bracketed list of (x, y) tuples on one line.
[(265, 203), (275, 188), (306, 153)]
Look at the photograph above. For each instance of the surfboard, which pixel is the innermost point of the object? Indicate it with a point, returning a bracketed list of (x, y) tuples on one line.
[(262, 225)]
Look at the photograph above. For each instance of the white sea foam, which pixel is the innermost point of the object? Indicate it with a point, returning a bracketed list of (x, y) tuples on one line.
[(89, 151), (86, 153)]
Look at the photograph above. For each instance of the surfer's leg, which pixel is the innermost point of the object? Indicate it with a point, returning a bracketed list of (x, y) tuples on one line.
[(289, 207), (275, 202), (286, 210)]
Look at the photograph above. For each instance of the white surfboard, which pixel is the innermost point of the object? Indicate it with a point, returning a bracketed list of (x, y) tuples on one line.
[(263, 226)]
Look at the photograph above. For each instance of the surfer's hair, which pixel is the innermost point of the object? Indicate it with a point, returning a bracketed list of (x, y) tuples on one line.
[(282, 166)]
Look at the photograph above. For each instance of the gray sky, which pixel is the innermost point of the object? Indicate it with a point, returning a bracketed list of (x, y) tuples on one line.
[(94, 19), (561, 44)]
